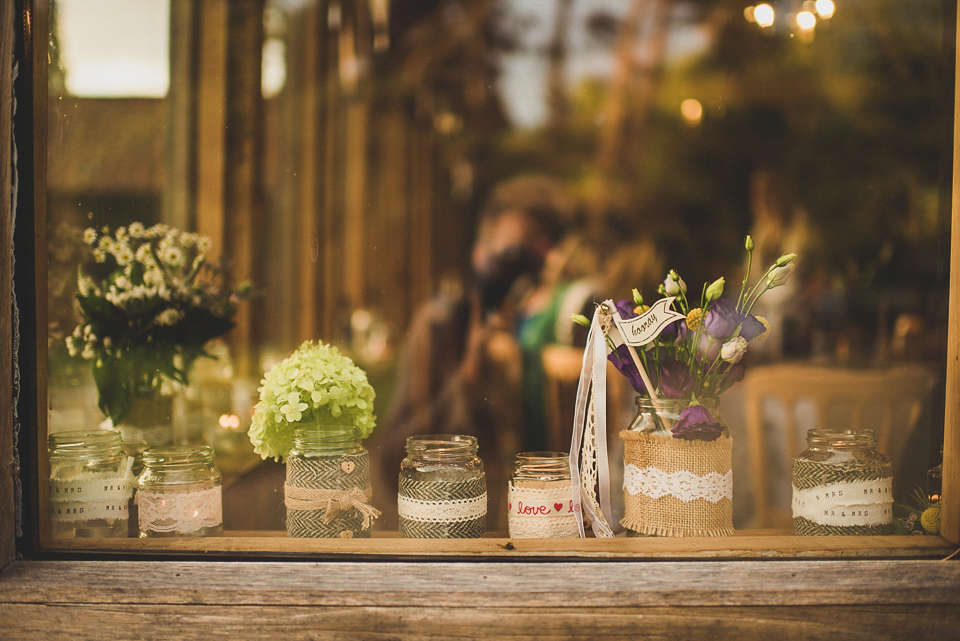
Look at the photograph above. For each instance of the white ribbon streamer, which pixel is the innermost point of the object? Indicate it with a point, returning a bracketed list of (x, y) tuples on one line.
[(590, 430)]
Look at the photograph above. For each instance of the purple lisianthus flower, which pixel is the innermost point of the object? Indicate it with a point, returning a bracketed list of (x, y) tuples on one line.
[(675, 379), (734, 374), (620, 358), (723, 319), (696, 423), (626, 306)]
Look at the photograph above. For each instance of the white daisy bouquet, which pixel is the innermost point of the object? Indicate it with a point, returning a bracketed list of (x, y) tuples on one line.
[(149, 302), (316, 385)]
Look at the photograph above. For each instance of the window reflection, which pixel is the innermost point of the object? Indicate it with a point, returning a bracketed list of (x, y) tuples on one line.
[(341, 154)]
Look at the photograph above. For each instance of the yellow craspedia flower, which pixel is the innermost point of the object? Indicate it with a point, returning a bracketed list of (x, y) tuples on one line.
[(639, 309), (930, 520), (694, 318)]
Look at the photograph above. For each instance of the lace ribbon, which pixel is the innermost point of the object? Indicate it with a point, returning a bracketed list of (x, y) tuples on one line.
[(181, 512), (455, 511), (848, 503), (682, 484), (333, 502), (542, 512), (92, 496), (589, 466)]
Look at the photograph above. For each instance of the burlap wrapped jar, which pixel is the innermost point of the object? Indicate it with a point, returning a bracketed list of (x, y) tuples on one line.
[(675, 486)]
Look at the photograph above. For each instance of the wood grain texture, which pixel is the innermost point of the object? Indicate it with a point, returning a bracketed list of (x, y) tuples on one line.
[(750, 545), (950, 514), (716, 600), (483, 584), (192, 622)]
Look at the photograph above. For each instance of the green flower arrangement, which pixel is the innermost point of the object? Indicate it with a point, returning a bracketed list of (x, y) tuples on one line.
[(149, 302), (316, 385)]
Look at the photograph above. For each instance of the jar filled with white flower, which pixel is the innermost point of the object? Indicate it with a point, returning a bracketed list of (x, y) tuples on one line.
[(149, 302), (315, 408)]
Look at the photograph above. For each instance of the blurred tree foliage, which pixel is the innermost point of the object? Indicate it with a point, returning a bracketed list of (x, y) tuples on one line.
[(851, 128)]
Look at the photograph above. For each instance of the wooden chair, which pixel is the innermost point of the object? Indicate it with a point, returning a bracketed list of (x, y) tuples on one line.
[(561, 367), (888, 401)]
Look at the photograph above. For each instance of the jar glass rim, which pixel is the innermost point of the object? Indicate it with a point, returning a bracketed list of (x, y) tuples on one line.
[(841, 438), (178, 455), (441, 444), (84, 441)]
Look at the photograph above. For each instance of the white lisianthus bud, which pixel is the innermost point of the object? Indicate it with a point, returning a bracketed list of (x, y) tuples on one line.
[(673, 284), (786, 259), (637, 298), (779, 275), (734, 349), (580, 319), (748, 243), (715, 290)]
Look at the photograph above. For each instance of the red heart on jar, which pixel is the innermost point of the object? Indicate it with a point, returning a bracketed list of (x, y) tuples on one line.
[(558, 506)]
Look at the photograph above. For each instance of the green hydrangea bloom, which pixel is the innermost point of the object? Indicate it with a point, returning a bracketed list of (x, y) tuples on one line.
[(316, 385)]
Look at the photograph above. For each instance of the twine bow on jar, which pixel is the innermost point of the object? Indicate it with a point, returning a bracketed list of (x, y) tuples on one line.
[(333, 502)]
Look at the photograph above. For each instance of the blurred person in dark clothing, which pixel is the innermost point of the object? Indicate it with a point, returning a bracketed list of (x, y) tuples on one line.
[(462, 368)]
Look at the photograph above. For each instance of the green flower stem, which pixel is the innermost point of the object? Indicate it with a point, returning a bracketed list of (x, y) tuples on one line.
[(746, 278)]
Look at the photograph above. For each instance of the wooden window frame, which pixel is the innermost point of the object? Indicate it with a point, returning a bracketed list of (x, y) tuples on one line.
[(595, 587)]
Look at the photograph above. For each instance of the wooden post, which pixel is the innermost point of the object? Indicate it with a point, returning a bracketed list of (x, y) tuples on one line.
[(8, 470), (243, 167), (950, 512)]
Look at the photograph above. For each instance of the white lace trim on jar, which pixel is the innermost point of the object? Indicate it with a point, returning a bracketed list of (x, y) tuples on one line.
[(847, 503), (456, 511), (682, 484), (541, 513), (95, 496), (181, 512)]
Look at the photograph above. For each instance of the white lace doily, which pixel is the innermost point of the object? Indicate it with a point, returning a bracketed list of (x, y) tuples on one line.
[(181, 512), (682, 484), (846, 503), (455, 511)]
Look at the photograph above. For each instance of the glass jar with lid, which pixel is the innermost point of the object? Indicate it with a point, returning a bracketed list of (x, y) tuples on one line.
[(327, 492), (178, 493), (539, 498), (442, 491), (842, 485), (90, 484)]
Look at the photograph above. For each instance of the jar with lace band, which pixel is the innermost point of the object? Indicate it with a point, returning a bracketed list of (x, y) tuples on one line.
[(678, 482), (327, 492), (443, 490), (842, 485), (539, 497), (90, 484), (179, 493)]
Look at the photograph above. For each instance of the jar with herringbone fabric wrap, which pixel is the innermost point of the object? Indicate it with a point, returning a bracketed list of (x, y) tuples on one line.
[(842, 485), (327, 491), (442, 490)]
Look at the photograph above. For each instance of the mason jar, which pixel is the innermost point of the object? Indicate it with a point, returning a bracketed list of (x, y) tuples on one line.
[(540, 498), (178, 492), (842, 485), (327, 492), (443, 490), (90, 484)]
